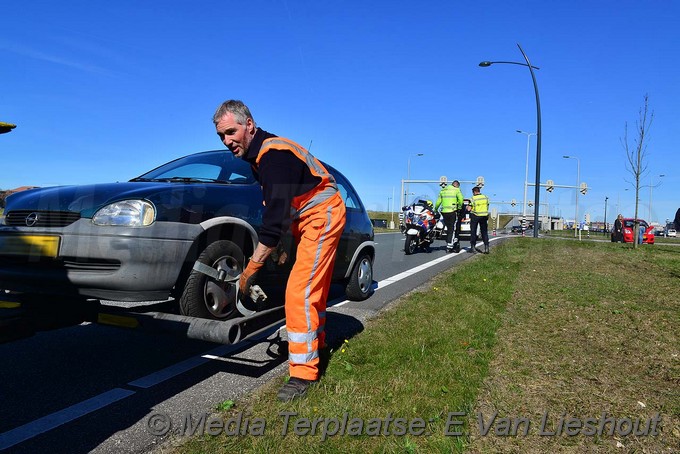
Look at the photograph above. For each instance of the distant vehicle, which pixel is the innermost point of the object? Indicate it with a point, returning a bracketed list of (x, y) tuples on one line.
[(382, 223), (628, 231), (516, 229), (671, 233)]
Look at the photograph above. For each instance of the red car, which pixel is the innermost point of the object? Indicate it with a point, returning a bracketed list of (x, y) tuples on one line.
[(628, 231)]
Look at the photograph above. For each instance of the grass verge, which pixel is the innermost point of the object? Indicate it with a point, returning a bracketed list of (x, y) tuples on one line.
[(591, 330), (537, 326)]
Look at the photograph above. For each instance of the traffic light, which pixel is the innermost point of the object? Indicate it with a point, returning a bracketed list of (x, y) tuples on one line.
[(584, 188), (550, 185), (513, 202), (6, 127), (530, 203)]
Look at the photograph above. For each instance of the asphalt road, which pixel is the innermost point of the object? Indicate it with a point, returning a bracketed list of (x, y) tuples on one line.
[(96, 388)]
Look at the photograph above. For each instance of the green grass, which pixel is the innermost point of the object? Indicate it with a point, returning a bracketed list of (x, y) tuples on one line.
[(599, 236), (538, 325)]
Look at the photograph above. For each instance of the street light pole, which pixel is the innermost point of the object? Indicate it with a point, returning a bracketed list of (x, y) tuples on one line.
[(578, 179), (537, 194), (392, 212), (650, 195), (526, 177), (408, 176), (605, 215)]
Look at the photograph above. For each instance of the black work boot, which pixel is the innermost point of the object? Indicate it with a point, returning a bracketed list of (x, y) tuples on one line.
[(324, 359), (295, 388), (486, 248), (472, 249), (456, 246)]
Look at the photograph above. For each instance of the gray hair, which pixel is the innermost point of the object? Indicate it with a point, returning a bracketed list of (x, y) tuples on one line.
[(239, 110)]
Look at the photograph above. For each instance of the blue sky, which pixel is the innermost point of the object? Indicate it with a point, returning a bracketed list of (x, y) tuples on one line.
[(104, 91)]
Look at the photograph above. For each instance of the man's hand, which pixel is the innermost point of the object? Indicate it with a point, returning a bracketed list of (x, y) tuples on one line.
[(248, 277), (279, 255), (283, 257)]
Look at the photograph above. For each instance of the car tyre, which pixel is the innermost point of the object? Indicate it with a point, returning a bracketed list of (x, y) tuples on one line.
[(205, 297), (361, 279)]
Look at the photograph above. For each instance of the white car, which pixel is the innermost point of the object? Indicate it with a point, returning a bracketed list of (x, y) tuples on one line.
[(465, 223), (671, 232)]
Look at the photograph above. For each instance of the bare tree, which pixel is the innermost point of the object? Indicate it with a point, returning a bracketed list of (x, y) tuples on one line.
[(637, 154)]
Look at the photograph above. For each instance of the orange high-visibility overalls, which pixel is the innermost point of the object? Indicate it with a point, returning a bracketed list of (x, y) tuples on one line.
[(318, 221)]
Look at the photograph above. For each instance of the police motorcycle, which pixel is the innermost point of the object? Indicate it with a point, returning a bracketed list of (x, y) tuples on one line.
[(421, 225)]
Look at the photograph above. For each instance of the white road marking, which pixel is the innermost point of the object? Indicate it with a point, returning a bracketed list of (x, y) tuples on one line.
[(61, 417), (181, 367)]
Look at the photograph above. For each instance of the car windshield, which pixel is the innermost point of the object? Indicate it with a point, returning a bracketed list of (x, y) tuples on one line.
[(631, 223), (210, 167)]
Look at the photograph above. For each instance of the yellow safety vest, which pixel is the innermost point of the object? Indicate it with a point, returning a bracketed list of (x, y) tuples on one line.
[(450, 199), (480, 205)]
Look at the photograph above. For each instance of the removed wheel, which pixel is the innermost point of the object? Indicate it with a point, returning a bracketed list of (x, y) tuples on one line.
[(205, 297)]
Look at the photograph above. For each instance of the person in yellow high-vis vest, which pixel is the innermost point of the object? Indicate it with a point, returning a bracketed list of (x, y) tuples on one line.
[(479, 216), (449, 202), (301, 195)]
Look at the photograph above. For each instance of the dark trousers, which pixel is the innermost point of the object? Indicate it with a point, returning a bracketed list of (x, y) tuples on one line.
[(483, 222), (459, 219), (452, 224)]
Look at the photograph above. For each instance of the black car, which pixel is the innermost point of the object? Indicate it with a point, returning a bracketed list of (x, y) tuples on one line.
[(145, 239)]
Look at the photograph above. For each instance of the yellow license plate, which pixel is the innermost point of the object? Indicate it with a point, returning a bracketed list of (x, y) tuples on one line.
[(30, 245)]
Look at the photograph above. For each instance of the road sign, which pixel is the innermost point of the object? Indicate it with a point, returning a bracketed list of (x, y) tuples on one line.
[(550, 185)]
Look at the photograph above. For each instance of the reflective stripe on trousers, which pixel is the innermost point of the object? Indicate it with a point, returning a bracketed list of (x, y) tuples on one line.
[(317, 233)]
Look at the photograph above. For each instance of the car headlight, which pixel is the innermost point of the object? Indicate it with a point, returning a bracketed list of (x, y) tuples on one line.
[(127, 213)]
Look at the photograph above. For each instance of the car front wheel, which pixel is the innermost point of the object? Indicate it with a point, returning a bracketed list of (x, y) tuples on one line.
[(360, 281), (206, 297)]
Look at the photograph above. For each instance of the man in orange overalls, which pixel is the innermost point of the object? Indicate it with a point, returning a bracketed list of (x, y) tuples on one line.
[(301, 194)]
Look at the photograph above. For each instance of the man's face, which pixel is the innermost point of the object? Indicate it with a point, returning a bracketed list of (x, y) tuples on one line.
[(235, 136)]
